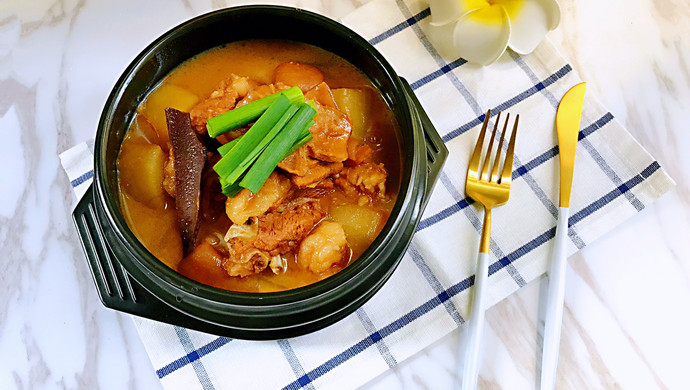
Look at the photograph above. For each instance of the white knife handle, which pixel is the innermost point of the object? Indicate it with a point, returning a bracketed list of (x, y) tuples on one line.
[(475, 324), (554, 303)]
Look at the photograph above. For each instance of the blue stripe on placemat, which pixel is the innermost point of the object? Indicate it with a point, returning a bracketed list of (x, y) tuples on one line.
[(368, 341), (553, 152), (517, 172), (431, 279), (295, 364), (438, 73), (400, 26), (445, 213), (510, 102), (610, 173), (576, 217), (192, 356), (622, 189), (376, 338), (81, 179)]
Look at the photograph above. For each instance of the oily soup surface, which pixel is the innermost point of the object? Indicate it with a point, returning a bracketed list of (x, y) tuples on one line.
[(150, 212)]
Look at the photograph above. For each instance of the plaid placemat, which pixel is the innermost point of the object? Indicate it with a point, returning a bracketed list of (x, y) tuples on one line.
[(428, 295)]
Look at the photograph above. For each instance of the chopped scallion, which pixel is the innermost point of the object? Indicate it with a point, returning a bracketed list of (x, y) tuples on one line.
[(230, 190), (241, 116), (224, 149), (252, 138), (254, 154), (277, 148), (298, 145)]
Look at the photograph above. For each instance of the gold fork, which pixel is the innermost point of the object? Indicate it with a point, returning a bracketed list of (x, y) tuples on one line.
[(490, 190)]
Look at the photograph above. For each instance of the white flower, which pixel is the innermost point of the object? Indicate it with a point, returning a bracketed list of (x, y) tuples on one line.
[(484, 28)]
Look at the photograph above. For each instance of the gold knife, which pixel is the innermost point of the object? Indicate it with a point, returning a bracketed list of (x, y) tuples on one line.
[(568, 128)]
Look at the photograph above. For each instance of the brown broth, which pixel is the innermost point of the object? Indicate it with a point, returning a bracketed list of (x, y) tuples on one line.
[(150, 212)]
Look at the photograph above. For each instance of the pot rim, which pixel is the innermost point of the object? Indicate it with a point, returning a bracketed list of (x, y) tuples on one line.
[(182, 285)]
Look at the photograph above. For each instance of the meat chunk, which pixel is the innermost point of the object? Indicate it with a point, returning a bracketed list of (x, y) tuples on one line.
[(242, 85), (262, 91), (324, 248), (317, 173), (245, 259), (246, 204), (331, 131), (255, 245), (221, 100), (357, 153), (304, 195), (252, 246), (276, 232), (369, 178), (307, 171), (281, 232), (322, 93), (299, 162), (232, 135), (299, 75)]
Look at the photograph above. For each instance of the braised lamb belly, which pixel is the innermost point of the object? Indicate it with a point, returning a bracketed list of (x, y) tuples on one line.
[(317, 211)]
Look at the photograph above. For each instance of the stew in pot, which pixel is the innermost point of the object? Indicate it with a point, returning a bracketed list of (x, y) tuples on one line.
[(287, 195)]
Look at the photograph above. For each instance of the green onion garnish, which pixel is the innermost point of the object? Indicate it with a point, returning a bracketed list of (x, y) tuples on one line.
[(293, 132), (224, 149), (254, 154), (305, 138), (230, 190), (253, 137), (248, 113)]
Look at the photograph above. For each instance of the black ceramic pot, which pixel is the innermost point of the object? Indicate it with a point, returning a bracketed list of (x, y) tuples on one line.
[(130, 279)]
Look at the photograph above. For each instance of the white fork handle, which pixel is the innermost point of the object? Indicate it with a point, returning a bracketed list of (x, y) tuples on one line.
[(475, 324), (554, 303)]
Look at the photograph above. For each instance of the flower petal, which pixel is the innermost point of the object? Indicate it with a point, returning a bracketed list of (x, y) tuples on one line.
[(446, 11), (442, 39), (482, 35), (530, 20)]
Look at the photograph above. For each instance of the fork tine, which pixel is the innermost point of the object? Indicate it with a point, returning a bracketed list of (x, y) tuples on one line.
[(507, 174), (497, 160), (473, 168), (487, 159)]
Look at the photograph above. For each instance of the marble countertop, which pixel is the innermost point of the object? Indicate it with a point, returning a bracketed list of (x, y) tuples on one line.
[(625, 332)]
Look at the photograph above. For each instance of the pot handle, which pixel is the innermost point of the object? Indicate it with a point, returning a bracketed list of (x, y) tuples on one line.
[(116, 288), (436, 151)]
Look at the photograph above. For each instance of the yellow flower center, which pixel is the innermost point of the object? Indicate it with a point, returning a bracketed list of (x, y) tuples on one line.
[(489, 11)]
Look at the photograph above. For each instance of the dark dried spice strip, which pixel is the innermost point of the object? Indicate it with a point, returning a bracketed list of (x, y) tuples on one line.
[(189, 156)]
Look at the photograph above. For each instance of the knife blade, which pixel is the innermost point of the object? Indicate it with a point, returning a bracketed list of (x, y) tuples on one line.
[(568, 128)]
